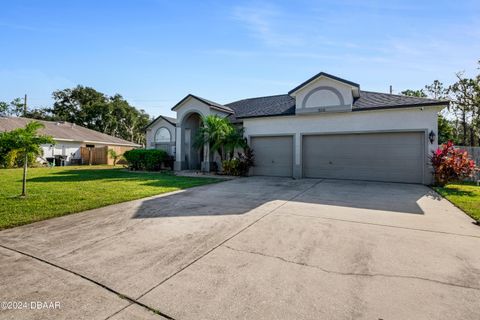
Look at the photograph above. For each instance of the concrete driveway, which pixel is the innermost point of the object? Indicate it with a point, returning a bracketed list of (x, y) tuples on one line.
[(251, 248)]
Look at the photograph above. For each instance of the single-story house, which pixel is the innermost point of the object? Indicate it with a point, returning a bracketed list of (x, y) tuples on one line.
[(326, 127), (74, 144)]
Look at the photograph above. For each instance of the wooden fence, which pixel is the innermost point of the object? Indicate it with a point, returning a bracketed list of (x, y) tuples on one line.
[(96, 155), (100, 155)]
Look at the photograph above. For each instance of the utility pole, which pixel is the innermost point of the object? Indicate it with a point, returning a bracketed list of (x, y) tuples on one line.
[(391, 89), (25, 106)]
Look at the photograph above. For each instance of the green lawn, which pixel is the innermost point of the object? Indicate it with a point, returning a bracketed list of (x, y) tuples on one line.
[(466, 196), (54, 192)]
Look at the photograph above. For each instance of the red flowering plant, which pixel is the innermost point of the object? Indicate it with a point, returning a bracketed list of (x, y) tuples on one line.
[(451, 164)]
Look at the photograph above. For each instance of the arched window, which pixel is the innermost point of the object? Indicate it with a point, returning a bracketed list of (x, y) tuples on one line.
[(162, 135)]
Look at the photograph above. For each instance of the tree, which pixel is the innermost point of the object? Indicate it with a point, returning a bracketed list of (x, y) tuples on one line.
[(40, 114), (92, 109), (445, 130), (27, 142), (73, 104), (464, 108), (463, 94), (16, 107), (234, 139), (213, 132), (114, 155), (4, 110), (436, 90), (414, 93), (221, 136)]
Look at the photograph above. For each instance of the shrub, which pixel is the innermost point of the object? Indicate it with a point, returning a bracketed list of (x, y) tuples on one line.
[(451, 164), (15, 159), (240, 165), (145, 159)]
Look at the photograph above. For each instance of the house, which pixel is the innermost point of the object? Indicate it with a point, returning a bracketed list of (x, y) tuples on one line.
[(326, 127), (74, 144)]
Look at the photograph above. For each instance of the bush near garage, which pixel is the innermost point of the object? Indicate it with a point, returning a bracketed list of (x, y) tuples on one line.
[(145, 159), (451, 164), (239, 165)]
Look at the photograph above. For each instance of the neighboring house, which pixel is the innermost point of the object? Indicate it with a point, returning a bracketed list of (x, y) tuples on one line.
[(74, 144), (324, 128)]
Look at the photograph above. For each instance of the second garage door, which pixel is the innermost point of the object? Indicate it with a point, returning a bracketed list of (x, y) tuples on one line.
[(394, 157), (273, 155)]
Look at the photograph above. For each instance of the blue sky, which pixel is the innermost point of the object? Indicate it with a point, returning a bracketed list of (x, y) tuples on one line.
[(154, 52)]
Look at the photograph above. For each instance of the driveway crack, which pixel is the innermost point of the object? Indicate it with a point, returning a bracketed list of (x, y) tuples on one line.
[(380, 225), (354, 274), (120, 295)]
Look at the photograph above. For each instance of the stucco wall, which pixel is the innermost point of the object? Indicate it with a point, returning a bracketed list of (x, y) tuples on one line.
[(61, 148), (324, 92), (364, 121), (150, 136), (190, 106)]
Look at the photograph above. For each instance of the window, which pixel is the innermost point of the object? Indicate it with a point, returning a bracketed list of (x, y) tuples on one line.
[(162, 135)]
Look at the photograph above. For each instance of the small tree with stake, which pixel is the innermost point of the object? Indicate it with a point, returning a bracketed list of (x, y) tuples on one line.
[(27, 142), (114, 155)]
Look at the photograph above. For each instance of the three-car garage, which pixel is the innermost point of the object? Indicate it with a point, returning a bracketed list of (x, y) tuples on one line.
[(379, 156)]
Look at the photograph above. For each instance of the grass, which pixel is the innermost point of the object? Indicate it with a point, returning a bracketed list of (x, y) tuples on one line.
[(53, 192), (466, 196)]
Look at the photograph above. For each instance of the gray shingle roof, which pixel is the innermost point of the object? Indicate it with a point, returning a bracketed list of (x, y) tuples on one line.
[(281, 105), (369, 100), (276, 105), (170, 119), (64, 130)]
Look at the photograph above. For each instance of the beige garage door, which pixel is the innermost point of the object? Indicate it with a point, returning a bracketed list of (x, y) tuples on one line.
[(395, 157), (273, 156)]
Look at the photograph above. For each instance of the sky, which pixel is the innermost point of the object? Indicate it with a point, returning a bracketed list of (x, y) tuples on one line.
[(155, 52)]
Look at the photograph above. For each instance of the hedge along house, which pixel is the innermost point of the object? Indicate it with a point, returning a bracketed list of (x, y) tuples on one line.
[(326, 127), (74, 144)]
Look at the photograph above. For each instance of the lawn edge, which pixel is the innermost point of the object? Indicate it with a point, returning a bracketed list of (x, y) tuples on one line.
[(113, 204), (477, 222)]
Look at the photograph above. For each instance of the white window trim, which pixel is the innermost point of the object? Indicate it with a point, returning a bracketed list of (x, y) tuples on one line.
[(155, 135)]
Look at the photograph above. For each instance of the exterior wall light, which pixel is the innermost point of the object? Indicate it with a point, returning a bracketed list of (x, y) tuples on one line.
[(431, 136)]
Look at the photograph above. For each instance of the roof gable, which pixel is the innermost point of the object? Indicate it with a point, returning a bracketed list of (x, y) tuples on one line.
[(209, 103), (170, 120), (326, 75)]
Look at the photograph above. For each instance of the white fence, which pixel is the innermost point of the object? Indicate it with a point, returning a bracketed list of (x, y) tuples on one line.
[(474, 153)]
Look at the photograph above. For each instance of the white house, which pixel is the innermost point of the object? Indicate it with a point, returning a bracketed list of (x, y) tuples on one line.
[(70, 139), (326, 127)]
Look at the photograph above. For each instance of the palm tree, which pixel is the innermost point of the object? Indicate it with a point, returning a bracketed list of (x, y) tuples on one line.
[(234, 139), (27, 142), (114, 155), (213, 131)]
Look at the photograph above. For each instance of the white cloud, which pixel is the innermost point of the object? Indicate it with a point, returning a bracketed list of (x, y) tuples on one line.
[(264, 22)]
